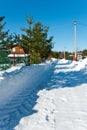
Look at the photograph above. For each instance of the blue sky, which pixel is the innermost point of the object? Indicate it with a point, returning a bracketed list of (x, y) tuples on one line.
[(57, 14)]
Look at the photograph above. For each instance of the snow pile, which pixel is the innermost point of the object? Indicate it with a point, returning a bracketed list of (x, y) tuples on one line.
[(81, 64), (71, 106), (44, 119), (47, 96), (70, 66), (15, 81), (64, 61), (73, 64), (67, 110), (13, 68)]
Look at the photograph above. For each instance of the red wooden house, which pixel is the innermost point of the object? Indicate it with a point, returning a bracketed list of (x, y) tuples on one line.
[(17, 54)]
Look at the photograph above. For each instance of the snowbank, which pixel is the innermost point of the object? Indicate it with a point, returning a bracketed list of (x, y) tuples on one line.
[(18, 80), (63, 107), (64, 61), (47, 96)]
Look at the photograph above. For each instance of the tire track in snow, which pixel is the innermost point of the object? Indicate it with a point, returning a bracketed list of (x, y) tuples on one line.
[(22, 103), (11, 113)]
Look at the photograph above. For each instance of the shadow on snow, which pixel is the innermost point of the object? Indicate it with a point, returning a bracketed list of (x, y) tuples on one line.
[(22, 105), (67, 79)]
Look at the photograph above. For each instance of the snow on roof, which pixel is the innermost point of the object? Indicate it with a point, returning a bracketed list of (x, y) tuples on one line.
[(17, 55)]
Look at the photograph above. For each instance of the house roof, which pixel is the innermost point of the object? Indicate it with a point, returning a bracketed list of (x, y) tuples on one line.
[(17, 51)]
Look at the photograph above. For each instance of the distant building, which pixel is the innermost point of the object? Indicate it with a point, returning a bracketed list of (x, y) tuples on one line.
[(17, 54), (79, 55)]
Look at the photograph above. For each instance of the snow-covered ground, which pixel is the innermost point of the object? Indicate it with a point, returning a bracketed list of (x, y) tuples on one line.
[(49, 96)]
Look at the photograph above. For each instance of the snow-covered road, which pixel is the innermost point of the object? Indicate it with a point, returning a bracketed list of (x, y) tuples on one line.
[(53, 99), (62, 105)]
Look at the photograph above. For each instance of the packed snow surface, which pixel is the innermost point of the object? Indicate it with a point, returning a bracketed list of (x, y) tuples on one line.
[(51, 96)]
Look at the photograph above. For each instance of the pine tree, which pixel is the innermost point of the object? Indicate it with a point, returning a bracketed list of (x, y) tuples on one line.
[(43, 44), (3, 34), (36, 40)]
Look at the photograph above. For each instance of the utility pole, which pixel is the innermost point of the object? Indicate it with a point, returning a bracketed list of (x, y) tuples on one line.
[(64, 53), (75, 53)]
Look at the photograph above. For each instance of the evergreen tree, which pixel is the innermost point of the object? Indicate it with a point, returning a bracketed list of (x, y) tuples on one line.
[(3, 34), (85, 52), (36, 40), (14, 39)]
